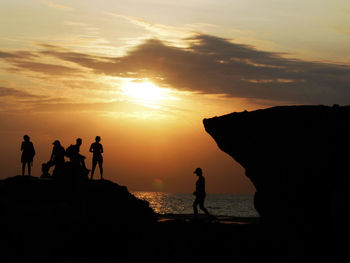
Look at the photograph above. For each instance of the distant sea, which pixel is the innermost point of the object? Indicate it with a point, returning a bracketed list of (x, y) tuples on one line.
[(217, 204)]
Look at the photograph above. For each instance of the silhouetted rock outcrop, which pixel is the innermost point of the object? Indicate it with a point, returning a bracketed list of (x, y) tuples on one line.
[(100, 200), (297, 158), (66, 216), (43, 220)]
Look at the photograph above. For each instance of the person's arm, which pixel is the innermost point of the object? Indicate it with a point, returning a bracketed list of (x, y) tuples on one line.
[(22, 147), (51, 158), (196, 191), (201, 185), (90, 150), (101, 148), (33, 150)]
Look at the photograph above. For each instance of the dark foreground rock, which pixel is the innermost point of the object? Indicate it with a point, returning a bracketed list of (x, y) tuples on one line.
[(24, 196), (298, 159), (52, 220), (42, 219), (39, 223), (172, 240)]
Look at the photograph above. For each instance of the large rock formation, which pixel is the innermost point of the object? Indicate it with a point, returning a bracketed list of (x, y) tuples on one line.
[(68, 216), (72, 196), (297, 158)]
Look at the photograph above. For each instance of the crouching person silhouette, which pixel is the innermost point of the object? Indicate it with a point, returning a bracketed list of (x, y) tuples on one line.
[(199, 193), (56, 159), (75, 157)]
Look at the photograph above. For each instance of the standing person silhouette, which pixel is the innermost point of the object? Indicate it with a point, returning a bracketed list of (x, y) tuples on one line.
[(199, 193), (97, 150), (28, 153)]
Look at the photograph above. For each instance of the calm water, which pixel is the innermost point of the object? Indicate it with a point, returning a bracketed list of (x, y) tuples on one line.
[(217, 204)]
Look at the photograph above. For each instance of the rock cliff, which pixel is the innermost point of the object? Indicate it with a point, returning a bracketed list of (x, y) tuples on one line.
[(296, 157)]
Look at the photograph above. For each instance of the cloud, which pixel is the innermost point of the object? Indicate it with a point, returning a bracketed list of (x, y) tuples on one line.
[(45, 68), (171, 34), (342, 29), (345, 10), (17, 55), (119, 109), (22, 100), (218, 66), (56, 6), (25, 60), (6, 92), (153, 27), (210, 65)]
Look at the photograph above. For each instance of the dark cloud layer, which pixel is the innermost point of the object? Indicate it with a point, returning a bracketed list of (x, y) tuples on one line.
[(4, 92), (25, 60), (216, 65)]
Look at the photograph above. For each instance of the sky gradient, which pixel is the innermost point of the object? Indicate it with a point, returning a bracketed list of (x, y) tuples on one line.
[(143, 75)]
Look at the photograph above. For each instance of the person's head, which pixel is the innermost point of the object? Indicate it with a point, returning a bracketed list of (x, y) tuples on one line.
[(98, 139), (79, 141), (198, 171), (56, 143), (26, 138)]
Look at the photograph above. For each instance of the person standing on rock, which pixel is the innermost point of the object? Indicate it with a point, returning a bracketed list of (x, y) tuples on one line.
[(28, 153), (97, 150), (199, 193)]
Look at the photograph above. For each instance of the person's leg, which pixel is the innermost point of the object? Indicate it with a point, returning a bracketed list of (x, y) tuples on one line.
[(201, 206), (195, 210), (100, 162), (59, 165), (93, 167), (45, 167), (23, 168), (82, 161), (29, 166), (49, 165)]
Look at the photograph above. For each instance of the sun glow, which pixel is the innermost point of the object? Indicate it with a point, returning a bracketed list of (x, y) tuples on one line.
[(144, 92)]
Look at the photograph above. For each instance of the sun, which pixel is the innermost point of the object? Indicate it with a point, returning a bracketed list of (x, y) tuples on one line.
[(144, 92)]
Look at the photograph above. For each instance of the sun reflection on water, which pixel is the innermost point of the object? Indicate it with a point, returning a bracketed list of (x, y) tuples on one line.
[(163, 203), (217, 204)]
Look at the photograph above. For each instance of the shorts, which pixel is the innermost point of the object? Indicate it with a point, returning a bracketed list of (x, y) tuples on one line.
[(97, 159)]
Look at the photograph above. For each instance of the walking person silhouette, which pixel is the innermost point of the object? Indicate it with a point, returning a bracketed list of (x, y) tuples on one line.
[(28, 153), (97, 150), (199, 193)]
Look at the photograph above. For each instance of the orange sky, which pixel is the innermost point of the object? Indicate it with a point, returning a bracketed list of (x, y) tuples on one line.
[(137, 153), (143, 75)]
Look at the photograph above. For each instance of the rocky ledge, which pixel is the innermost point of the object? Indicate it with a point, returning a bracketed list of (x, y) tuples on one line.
[(102, 200), (297, 157)]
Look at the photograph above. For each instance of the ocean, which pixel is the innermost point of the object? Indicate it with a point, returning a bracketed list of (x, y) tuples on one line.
[(217, 204)]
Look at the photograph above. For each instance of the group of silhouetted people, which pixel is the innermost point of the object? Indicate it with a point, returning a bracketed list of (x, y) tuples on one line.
[(58, 153), (73, 153)]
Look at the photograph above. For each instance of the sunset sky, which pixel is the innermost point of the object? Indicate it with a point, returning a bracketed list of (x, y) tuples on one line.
[(143, 74)]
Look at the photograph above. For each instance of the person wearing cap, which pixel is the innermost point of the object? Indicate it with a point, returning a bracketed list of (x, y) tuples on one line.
[(199, 193), (57, 155), (56, 159)]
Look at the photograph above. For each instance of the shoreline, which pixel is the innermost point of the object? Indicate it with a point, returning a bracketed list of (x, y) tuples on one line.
[(221, 219)]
